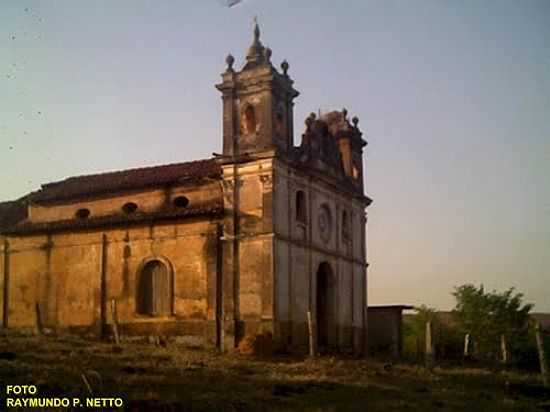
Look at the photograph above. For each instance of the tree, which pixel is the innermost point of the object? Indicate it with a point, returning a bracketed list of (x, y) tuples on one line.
[(491, 317)]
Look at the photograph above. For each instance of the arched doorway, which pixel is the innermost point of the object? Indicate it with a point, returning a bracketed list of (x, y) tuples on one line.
[(325, 304), (154, 291)]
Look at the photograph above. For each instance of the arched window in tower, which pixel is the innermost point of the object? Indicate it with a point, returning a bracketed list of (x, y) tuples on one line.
[(249, 120), (301, 207), (154, 290), (345, 226)]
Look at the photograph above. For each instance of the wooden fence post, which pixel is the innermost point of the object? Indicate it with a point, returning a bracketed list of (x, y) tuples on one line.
[(310, 331), (503, 349), (542, 356), (39, 324), (467, 346), (429, 346)]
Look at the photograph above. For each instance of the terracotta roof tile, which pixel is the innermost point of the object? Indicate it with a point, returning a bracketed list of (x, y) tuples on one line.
[(12, 213), (89, 185)]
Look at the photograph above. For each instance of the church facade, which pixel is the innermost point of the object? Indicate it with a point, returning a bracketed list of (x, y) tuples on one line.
[(244, 243)]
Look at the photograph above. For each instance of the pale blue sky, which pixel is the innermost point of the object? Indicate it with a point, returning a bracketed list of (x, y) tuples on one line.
[(453, 97)]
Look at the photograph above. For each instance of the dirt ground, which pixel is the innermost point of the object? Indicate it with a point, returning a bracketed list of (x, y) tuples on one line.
[(180, 378)]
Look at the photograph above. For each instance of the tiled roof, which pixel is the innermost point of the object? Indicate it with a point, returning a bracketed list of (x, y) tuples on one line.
[(12, 213), (390, 307), (90, 185), (214, 207)]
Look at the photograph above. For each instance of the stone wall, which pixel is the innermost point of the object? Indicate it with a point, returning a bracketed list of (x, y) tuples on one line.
[(57, 280)]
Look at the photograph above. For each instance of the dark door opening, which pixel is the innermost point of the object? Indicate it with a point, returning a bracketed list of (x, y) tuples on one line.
[(324, 304)]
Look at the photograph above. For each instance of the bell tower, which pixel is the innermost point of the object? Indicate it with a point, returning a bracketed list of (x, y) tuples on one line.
[(257, 103)]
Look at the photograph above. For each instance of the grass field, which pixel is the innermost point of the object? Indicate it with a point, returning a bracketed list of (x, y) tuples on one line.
[(179, 378)]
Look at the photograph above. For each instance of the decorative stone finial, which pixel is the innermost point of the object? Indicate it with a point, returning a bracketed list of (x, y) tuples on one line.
[(230, 60), (256, 52), (256, 30), (309, 120), (285, 66), (355, 121), (267, 54)]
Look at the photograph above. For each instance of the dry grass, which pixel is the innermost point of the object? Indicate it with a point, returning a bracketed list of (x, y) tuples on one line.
[(175, 377)]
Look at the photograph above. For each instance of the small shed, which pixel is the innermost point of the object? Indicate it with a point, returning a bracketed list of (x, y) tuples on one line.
[(543, 319), (385, 329)]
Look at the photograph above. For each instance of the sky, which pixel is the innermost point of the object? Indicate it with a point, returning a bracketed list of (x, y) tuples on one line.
[(452, 96)]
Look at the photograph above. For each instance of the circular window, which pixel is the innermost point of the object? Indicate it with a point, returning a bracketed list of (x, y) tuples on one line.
[(181, 201), (82, 213), (325, 223), (129, 208)]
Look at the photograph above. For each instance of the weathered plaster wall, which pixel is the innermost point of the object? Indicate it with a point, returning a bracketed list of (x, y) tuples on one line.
[(300, 249), (111, 204), (71, 280), (248, 249), (257, 275), (63, 273), (26, 260), (2, 277)]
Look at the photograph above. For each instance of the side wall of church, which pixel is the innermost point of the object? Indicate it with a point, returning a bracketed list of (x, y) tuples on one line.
[(248, 250), (111, 204), (302, 245), (56, 281)]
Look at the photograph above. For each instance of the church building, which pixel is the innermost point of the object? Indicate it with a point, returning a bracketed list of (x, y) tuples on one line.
[(246, 242)]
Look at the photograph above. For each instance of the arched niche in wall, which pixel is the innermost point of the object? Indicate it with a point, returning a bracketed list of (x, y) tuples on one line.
[(301, 207), (346, 229), (249, 122)]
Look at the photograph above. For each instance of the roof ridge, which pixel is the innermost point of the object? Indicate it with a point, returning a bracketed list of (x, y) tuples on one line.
[(141, 177), (132, 169)]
